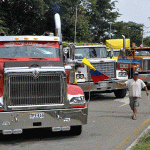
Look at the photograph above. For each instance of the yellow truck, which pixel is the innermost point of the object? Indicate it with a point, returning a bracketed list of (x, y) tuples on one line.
[(114, 46)]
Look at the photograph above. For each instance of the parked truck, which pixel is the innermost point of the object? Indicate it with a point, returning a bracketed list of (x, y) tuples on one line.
[(34, 90), (97, 55), (136, 59)]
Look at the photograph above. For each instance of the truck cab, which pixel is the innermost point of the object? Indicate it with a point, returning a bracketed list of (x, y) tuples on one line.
[(97, 55), (136, 59), (113, 54), (34, 91)]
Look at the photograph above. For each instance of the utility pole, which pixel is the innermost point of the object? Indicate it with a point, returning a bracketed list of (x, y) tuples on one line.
[(110, 40), (75, 26)]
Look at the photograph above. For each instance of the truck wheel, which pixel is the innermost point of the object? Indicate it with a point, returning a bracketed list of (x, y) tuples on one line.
[(121, 93), (86, 96), (76, 130)]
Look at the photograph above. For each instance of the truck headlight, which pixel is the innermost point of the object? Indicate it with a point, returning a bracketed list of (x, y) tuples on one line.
[(1, 101), (138, 68), (80, 76), (77, 100)]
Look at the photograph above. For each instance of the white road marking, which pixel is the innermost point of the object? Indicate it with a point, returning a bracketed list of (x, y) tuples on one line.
[(125, 101)]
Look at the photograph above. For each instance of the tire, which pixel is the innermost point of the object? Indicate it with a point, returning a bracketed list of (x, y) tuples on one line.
[(121, 93), (86, 96), (75, 130)]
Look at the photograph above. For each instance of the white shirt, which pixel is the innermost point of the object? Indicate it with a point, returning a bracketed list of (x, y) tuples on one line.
[(135, 87)]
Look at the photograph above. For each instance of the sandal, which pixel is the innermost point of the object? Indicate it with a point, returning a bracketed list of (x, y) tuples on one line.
[(134, 118)]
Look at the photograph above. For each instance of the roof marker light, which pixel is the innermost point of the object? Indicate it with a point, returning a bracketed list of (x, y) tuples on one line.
[(55, 38), (16, 38), (35, 38), (26, 38)]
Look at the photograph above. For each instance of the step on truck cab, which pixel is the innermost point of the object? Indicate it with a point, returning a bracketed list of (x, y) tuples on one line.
[(34, 92), (97, 55)]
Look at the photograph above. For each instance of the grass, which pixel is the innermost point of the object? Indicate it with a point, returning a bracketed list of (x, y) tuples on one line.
[(144, 143)]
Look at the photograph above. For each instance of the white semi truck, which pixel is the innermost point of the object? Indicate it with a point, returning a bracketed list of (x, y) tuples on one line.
[(97, 55)]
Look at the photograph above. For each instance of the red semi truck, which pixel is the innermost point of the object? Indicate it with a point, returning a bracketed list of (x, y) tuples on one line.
[(34, 92)]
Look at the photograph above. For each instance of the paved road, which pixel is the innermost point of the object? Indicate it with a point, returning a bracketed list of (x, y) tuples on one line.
[(109, 127)]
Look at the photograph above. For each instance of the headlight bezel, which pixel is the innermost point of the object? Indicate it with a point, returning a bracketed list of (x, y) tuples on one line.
[(122, 74), (77, 100), (80, 76), (138, 68)]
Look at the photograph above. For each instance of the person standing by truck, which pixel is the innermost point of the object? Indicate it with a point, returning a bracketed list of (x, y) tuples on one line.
[(135, 85)]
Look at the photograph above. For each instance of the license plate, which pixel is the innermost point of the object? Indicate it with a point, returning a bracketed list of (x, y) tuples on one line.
[(37, 115), (103, 85)]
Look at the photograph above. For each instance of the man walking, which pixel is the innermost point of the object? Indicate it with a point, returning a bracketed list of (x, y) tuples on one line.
[(135, 85)]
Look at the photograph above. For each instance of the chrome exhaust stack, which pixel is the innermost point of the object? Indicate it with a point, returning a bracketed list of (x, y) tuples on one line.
[(58, 26)]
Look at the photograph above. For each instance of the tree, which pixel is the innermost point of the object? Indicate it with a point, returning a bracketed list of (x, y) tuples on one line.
[(146, 41), (130, 30), (36, 16), (23, 17), (67, 11), (101, 12)]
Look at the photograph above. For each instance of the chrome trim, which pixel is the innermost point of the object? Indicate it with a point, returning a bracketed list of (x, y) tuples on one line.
[(30, 40), (19, 74), (67, 117), (27, 69), (34, 106), (146, 64), (108, 68)]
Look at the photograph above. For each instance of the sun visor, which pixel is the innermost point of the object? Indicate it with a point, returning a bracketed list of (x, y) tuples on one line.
[(11, 64)]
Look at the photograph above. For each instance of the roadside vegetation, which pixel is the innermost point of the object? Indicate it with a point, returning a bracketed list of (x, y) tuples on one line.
[(144, 143), (94, 18)]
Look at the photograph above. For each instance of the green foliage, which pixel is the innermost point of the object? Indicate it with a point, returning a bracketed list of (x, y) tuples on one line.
[(101, 12), (146, 41), (93, 18), (144, 143), (23, 17), (36, 16), (131, 30)]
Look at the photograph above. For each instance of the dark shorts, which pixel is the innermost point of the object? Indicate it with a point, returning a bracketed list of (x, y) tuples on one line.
[(134, 102)]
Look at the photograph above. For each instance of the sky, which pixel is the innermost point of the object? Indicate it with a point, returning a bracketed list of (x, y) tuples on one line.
[(136, 11)]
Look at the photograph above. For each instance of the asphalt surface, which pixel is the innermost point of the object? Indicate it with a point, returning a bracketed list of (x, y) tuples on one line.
[(109, 127)]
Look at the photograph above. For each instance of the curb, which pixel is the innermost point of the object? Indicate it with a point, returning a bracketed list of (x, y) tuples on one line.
[(142, 135)]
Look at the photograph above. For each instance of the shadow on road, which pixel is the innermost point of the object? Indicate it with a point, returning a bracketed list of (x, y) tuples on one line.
[(101, 97), (33, 135)]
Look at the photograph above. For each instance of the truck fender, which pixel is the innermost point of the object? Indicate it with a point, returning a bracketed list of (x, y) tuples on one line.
[(74, 90)]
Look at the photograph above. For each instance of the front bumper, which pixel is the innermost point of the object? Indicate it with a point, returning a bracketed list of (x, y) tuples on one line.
[(107, 85), (58, 119), (145, 78)]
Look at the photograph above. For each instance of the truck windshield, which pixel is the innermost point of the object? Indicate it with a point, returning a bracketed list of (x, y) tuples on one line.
[(115, 53), (28, 51), (90, 52), (142, 53)]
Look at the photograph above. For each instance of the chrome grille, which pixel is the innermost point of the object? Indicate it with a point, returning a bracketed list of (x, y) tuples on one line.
[(146, 65), (108, 68), (30, 90)]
